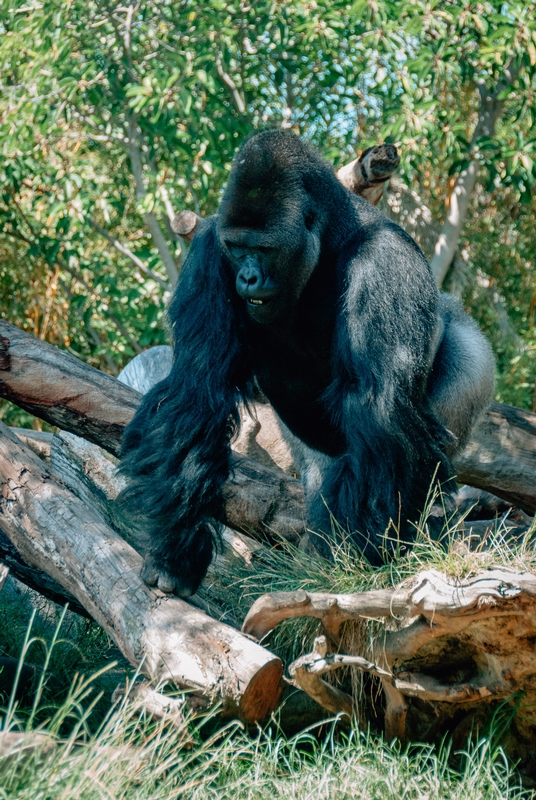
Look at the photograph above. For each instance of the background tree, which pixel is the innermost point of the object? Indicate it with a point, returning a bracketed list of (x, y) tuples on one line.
[(113, 117)]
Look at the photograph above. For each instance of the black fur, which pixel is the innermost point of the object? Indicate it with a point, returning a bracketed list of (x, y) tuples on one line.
[(343, 345)]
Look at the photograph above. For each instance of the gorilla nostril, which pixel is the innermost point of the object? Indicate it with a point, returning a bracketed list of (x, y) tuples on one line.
[(249, 279)]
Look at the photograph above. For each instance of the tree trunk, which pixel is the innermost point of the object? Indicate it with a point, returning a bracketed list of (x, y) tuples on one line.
[(168, 638), (491, 106)]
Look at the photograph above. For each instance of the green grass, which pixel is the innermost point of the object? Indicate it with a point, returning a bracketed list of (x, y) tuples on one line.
[(107, 750), (133, 758)]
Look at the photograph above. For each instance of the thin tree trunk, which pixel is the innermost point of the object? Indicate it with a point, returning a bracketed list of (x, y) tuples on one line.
[(489, 112), (150, 218)]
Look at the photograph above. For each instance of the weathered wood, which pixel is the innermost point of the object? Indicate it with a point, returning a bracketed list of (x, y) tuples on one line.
[(92, 476), (501, 456), (38, 441), (147, 368), (447, 643), (185, 224), (34, 577), (60, 389), (367, 175), (168, 638)]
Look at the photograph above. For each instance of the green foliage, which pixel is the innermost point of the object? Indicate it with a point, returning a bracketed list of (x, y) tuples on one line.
[(123, 115)]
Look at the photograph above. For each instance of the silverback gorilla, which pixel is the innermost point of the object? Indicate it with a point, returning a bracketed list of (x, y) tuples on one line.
[(304, 289)]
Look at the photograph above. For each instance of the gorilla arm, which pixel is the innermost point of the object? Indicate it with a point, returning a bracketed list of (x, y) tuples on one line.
[(176, 450), (382, 354)]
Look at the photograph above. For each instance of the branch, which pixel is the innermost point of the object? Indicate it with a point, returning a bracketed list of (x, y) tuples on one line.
[(238, 98), (129, 254), (366, 176), (149, 217)]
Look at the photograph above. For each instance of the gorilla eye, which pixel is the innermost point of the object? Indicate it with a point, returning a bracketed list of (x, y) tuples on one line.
[(309, 220)]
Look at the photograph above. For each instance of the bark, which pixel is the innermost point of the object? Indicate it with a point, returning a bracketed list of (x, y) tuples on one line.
[(167, 638), (92, 476), (450, 650), (64, 391)]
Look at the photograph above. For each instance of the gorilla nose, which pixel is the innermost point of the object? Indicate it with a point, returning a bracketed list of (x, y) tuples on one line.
[(248, 281)]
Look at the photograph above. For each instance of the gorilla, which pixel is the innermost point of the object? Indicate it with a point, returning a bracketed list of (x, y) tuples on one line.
[(304, 290)]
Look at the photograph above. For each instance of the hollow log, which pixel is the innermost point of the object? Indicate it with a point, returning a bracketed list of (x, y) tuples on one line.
[(451, 650), (167, 638)]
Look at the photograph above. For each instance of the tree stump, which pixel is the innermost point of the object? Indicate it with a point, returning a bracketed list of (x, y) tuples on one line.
[(449, 654)]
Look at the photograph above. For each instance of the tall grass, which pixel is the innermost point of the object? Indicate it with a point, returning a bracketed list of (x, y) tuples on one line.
[(130, 757), (93, 748)]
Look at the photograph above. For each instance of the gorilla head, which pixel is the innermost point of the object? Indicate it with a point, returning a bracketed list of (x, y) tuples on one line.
[(271, 222)]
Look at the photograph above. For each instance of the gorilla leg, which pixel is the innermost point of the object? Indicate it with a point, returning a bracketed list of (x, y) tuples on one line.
[(460, 386)]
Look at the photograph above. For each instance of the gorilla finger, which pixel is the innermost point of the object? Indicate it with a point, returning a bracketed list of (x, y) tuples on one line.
[(166, 582), (149, 572)]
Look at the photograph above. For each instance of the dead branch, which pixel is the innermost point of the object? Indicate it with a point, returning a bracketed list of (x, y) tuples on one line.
[(366, 176), (185, 224)]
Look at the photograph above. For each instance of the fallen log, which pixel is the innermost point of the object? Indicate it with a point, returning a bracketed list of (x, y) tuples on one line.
[(92, 476), (501, 456), (66, 392), (450, 652), (167, 638)]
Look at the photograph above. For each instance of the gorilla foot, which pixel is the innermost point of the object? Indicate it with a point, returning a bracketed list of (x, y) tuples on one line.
[(155, 573)]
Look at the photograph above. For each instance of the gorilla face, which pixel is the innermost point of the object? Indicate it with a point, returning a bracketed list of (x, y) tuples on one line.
[(273, 263), (270, 226)]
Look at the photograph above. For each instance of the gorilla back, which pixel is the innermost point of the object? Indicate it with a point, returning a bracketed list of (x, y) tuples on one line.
[(311, 292)]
